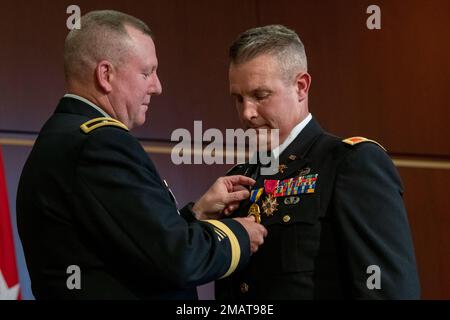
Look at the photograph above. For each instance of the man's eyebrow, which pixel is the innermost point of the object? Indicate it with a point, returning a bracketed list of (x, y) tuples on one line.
[(150, 67), (261, 89)]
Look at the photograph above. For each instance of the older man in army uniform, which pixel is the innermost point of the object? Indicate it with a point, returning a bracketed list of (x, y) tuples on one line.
[(90, 198), (337, 226)]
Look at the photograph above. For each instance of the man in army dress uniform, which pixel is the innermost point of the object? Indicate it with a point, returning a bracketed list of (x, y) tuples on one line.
[(91, 200), (337, 226)]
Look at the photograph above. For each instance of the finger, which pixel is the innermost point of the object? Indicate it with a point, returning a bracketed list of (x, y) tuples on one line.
[(230, 209), (241, 180), (264, 231), (234, 204), (251, 218), (237, 196), (239, 187)]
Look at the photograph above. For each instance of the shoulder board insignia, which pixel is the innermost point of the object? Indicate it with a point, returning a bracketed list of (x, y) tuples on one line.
[(101, 122), (356, 140)]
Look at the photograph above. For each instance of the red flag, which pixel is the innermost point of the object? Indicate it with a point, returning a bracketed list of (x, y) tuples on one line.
[(9, 280)]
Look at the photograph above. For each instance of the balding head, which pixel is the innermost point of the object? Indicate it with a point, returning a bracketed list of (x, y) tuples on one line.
[(103, 36)]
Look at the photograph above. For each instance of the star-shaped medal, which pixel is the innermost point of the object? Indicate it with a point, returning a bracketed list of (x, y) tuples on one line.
[(270, 205)]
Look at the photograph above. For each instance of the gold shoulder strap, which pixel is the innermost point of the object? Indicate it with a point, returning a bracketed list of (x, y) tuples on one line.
[(101, 122), (356, 140)]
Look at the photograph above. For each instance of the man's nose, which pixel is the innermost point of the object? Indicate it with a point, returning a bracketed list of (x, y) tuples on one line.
[(155, 87), (249, 111)]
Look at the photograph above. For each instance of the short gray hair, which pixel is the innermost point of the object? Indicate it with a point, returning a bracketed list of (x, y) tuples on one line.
[(278, 40), (102, 36)]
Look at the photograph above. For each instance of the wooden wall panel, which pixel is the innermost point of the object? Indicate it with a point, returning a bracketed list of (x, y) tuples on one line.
[(31, 63), (428, 205), (192, 38), (389, 84)]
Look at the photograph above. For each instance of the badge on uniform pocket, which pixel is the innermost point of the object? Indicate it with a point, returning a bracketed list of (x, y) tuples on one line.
[(291, 200)]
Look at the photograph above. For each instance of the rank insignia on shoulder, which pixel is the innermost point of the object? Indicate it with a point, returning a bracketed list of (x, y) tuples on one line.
[(101, 122), (356, 140)]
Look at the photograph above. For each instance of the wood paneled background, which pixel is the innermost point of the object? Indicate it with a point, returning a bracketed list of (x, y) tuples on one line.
[(391, 85)]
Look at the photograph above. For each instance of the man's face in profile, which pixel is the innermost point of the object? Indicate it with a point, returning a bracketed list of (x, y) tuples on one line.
[(136, 80), (263, 98)]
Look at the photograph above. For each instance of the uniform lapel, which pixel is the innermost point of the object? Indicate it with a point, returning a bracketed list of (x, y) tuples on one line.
[(294, 157)]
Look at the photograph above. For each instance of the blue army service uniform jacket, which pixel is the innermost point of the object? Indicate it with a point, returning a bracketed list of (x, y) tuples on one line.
[(327, 242), (90, 196)]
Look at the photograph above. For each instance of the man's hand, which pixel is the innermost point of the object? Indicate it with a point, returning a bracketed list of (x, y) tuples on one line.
[(223, 197), (256, 232)]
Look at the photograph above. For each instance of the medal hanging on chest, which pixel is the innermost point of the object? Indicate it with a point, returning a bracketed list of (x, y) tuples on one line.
[(270, 204)]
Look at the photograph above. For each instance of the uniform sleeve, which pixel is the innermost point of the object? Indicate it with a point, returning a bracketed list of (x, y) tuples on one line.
[(187, 213), (126, 211), (372, 226)]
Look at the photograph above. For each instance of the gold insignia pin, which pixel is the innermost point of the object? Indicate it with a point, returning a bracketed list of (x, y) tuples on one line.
[(292, 157), (281, 168)]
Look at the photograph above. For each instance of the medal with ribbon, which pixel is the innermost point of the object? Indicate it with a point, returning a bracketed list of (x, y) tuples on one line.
[(270, 204), (254, 209)]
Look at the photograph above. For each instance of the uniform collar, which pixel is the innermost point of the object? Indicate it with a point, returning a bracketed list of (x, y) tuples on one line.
[(275, 153), (291, 137), (295, 156), (77, 106), (86, 101), (299, 147)]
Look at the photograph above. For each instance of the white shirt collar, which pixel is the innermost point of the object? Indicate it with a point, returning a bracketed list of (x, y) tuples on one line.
[(291, 137), (74, 96)]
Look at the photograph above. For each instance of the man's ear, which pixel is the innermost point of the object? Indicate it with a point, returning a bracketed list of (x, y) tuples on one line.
[(104, 73), (302, 83)]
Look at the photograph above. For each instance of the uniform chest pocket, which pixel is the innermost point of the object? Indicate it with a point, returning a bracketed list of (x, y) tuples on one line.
[(295, 230)]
